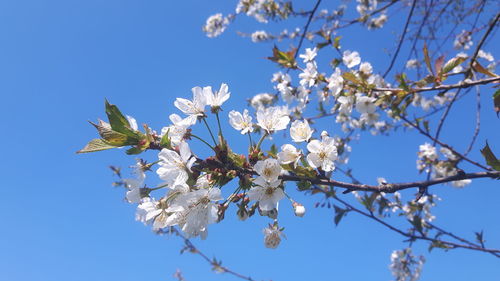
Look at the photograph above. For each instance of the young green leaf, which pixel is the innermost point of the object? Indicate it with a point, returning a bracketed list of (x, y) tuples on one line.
[(96, 145), (490, 157)]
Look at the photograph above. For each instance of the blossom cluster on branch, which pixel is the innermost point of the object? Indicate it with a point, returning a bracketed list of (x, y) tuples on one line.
[(352, 93)]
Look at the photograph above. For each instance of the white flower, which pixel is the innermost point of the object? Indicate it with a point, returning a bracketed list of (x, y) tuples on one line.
[(485, 55), (322, 154), (448, 153), (366, 68), (174, 167), (259, 36), (299, 209), (351, 59), (461, 183), (428, 151), (215, 25), (309, 75), (272, 119), (300, 131), (261, 100), (346, 103), (268, 169), (336, 82), (289, 154), (365, 104), (241, 122), (197, 106), (413, 63), (268, 194), (195, 210), (215, 100), (309, 55), (178, 130), (272, 237)]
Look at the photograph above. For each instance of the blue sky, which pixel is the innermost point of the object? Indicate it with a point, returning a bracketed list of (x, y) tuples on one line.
[(62, 219)]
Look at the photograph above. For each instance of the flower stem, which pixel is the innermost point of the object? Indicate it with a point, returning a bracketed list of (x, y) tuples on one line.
[(210, 131), (250, 139), (261, 140), (196, 137), (220, 128)]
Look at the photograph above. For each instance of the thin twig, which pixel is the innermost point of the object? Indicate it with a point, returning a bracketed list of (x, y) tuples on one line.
[(401, 39), (306, 27)]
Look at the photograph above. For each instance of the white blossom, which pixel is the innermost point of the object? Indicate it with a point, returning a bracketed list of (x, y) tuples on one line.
[(272, 237), (268, 194), (309, 55), (322, 154), (289, 154), (299, 209), (259, 36), (174, 167), (413, 63), (272, 119), (365, 104), (336, 82), (262, 100), (196, 107), (487, 56), (309, 75), (215, 100), (241, 122), (195, 210), (300, 131), (351, 59), (366, 68), (215, 25), (268, 169)]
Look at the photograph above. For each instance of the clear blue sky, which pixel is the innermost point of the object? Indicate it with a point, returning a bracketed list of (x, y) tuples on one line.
[(62, 219)]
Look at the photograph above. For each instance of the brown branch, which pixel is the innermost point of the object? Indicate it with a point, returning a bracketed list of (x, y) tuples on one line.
[(461, 156), (217, 266), (306, 27), (412, 236), (405, 29), (486, 34), (390, 187), (459, 85)]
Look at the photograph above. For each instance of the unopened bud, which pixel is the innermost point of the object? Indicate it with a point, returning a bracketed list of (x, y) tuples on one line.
[(299, 209)]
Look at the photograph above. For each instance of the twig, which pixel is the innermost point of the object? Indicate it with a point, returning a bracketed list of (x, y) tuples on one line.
[(401, 39), (412, 236), (306, 27), (480, 44), (216, 265), (459, 85), (444, 144)]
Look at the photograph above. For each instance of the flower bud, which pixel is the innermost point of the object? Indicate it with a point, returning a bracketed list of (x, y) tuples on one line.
[(299, 209)]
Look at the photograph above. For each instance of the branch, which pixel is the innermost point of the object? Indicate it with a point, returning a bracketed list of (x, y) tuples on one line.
[(405, 29), (478, 48), (390, 187), (467, 245), (463, 157), (217, 266), (459, 85), (306, 27)]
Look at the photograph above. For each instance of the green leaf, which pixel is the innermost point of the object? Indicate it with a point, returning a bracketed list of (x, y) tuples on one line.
[(490, 157), (134, 150), (451, 64), (165, 141), (96, 145), (427, 59), (496, 101), (339, 214), (285, 59), (112, 137), (351, 77), (119, 123), (336, 42)]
